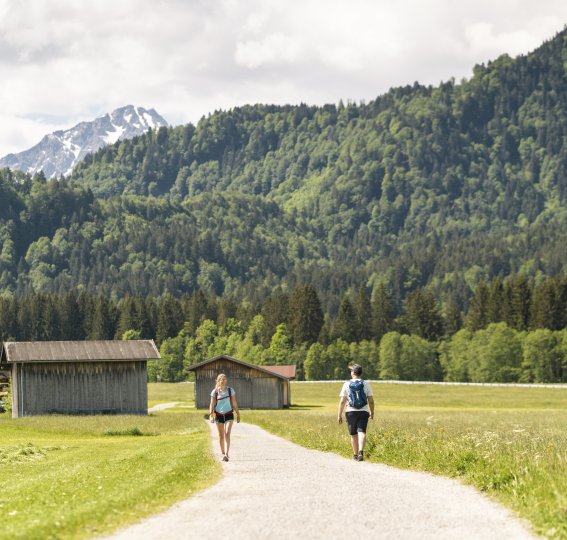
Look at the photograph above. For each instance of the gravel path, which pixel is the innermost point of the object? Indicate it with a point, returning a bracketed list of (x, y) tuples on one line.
[(275, 489)]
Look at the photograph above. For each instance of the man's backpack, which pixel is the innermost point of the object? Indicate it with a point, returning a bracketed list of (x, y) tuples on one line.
[(356, 394)]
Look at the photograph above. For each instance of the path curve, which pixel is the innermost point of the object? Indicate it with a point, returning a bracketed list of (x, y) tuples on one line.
[(162, 406), (275, 489)]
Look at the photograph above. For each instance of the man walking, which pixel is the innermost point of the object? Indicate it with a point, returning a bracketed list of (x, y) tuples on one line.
[(357, 396)]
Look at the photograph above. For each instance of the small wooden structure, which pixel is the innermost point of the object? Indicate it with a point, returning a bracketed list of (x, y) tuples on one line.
[(78, 377), (256, 387)]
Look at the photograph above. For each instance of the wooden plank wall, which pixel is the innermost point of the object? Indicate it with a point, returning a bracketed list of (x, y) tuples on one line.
[(82, 388), (254, 389)]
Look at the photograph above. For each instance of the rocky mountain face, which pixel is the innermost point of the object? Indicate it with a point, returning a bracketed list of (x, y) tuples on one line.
[(58, 152)]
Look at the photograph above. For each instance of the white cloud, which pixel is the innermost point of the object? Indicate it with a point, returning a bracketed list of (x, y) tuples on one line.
[(186, 58), (274, 48)]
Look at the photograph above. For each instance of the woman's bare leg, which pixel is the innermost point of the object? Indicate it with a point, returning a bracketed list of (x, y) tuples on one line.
[(220, 428), (228, 429)]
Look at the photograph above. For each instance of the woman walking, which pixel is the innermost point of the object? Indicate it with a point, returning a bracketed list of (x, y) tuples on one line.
[(221, 410)]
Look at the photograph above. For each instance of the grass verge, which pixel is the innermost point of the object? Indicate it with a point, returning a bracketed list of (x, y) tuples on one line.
[(68, 477)]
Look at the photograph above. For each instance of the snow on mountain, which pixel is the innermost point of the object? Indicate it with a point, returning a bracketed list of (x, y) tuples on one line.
[(58, 152)]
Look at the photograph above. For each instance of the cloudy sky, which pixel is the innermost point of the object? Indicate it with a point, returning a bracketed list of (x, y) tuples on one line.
[(65, 61)]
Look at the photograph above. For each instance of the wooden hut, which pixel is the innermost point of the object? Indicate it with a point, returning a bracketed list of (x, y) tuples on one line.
[(78, 377), (256, 387)]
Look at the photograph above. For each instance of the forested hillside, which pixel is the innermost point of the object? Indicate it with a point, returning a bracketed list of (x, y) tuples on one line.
[(437, 187)]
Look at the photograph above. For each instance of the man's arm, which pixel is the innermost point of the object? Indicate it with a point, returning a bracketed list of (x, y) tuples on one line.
[(371, 406), (342, 404)]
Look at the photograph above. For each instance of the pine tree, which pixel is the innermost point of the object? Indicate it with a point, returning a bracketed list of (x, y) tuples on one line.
[(495, 301), (477, 315), (8, 318), (453, 319), (71, 318), (170, 319), (345, 326), (198, 310), (305, 315), (383, 313), (226, 310), (143, 319), (548, 305), (50, 325), (422, 315), (363, 311), (521, 302), (275, 312), (102, 323), (127, 319)]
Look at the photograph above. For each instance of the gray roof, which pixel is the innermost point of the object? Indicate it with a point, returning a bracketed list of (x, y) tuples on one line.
[(280, 374), (78, 351)]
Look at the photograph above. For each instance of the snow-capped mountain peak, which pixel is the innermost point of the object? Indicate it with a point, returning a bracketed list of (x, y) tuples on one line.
[(58, 152)]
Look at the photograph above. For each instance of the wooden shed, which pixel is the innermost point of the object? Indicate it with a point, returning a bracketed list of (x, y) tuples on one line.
[(78, 377), (256, 387)]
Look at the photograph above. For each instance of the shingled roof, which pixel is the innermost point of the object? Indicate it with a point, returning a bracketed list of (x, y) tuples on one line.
[(78, 351), (288, 371), (282, 372)]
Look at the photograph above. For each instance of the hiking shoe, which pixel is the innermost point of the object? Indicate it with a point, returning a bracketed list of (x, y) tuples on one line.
[(360, 456), (224, 458), (355, 457)]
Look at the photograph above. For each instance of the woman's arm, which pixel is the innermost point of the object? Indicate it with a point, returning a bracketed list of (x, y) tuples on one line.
[(212, 406), (235, 408)]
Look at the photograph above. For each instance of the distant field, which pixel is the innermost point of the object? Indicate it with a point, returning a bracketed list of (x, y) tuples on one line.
[(170, 392), (510, 443), (418, 396)]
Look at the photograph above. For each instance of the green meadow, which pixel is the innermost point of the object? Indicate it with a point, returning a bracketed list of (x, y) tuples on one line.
[(510, 443), (77, 477)]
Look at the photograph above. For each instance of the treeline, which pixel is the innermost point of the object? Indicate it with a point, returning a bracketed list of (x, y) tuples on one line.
[(523, 304), (497, 353), (420, 341)]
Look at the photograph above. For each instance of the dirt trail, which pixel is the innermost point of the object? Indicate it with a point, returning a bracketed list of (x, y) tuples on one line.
[(275, 489)]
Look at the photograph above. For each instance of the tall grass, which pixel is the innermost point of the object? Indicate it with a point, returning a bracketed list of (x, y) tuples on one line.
[(510, 443)]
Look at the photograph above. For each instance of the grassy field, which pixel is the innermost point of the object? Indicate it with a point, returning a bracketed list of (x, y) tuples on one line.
[(75, 477), (508, 442), (171, 392)]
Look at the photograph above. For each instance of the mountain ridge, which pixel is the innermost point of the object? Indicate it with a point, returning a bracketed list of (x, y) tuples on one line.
[(58, 152)]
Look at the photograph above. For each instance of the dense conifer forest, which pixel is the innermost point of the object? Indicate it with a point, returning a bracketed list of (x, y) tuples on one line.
[(430, 220)]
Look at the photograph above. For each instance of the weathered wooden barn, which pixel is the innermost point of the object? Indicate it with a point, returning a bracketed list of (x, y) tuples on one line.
[(256, 387), (78, 377)]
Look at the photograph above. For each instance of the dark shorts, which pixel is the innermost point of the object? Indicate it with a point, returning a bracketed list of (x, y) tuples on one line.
[(357, 421), (222, 418)]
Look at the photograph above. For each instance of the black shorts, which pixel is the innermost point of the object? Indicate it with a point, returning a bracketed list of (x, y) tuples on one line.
[(357, 421), (222, 418)]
